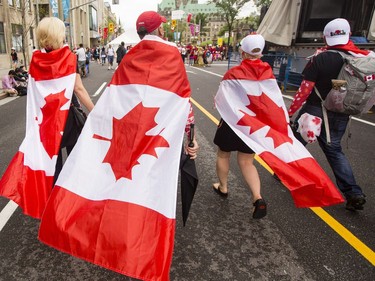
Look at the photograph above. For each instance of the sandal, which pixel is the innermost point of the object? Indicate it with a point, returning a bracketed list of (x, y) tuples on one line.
[(260, 209), (218, 190)]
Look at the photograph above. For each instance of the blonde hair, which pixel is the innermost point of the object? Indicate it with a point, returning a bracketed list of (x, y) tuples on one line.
[(250, 56), (50, 33)]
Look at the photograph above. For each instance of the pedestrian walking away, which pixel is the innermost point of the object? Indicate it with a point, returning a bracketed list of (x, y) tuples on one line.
[(103, 55), (120, 52), (28, 180), (81, 58), (227, 141), (138, 127), (111, 55), (317, 78)]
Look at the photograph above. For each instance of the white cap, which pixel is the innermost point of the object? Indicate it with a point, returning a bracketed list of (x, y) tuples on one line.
[(253, 44), (337, 32)]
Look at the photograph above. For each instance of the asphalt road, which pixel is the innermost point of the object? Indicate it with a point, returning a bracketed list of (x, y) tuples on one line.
[(220, 241)]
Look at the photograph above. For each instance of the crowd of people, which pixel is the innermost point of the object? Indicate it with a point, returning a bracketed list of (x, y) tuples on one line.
[(15, 82), (202, 55)]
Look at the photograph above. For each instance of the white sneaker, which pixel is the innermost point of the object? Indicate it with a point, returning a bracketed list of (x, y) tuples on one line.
[(109, 67)]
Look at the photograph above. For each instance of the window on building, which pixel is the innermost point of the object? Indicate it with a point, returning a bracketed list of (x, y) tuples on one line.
[(11, 3), (2, 39), (18, 4), (17, 37), (93, 19)]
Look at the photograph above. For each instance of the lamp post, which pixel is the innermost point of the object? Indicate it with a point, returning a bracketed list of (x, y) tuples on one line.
[(70, 21)]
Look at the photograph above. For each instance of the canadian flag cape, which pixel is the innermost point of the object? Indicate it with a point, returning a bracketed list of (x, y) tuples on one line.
[(250, 101), (114, 203), (28, 180)]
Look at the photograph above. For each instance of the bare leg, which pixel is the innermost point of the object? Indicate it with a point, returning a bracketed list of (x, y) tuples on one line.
[(222, 170), (250, 173)]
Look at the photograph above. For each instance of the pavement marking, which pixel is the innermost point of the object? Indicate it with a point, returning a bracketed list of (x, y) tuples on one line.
[(100, 89), (210, 72), (6, 213), (352, 240), (346, 234)]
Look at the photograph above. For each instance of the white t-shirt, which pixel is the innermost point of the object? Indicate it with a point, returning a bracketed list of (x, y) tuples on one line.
[(81, 54), (110, 52)]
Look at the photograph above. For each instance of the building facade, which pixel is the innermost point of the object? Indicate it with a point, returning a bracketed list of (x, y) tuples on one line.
[(86, 21), (215, 21), (17, 30)]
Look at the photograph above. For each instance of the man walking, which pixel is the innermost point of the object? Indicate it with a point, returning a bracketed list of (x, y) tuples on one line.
[(81, 55), (120, 52), (318, 74)]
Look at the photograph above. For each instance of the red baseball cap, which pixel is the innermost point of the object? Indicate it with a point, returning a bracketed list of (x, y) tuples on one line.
[(150, 20)]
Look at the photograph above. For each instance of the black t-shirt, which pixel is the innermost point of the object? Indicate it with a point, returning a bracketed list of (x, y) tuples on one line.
[(321, 70)]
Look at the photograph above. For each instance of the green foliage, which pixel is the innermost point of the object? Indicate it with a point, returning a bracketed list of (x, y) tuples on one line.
[(230, 10), (260, 3), (201, 19)]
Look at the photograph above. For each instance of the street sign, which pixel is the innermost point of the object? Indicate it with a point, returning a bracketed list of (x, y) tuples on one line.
[(177, 14)]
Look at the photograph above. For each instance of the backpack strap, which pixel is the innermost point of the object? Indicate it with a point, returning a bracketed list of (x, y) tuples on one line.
[(325, 116)]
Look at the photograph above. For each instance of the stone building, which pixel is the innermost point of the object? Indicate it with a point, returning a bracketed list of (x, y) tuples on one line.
[(214, 20), (86, 21)]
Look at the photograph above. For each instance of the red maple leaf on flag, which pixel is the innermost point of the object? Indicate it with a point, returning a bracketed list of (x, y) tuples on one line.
[(310, 134), (129, 140), (267, 114), (53, 122), (316, 120)]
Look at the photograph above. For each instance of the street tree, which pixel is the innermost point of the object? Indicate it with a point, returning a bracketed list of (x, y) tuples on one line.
[(229, 10), (264, 5), (201, 19), (261, 3), (22, 31)]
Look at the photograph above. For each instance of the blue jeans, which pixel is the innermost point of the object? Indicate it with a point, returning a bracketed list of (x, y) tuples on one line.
[(336, 158)]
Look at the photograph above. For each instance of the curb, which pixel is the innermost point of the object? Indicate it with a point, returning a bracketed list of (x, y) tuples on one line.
[(3, 96)]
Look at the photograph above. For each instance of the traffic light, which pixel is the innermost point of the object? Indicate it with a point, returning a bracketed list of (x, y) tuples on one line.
[(110, 27), (174, 23)]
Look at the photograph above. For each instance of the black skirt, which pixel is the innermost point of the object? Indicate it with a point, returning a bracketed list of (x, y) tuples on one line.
[(228, 141)]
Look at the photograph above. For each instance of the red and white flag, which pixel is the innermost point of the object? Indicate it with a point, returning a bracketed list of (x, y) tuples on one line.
[(114, 203), (250, 101), (28, 180)]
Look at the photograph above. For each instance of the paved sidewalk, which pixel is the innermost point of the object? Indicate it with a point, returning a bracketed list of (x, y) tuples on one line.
[(3, 95)]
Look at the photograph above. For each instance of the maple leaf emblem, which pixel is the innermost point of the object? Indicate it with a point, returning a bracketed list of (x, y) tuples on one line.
[(51, 127), (129, 140), (316, 120), (267, 114)]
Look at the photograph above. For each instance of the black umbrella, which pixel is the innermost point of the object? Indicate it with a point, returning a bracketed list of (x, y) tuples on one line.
[(189, 179)]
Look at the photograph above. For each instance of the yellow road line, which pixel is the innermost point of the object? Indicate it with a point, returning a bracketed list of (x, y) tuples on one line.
[(357, 244)]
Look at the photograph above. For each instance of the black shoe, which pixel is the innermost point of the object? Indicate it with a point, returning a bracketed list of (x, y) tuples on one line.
[(355, 203), (260, 209), (217, 189)]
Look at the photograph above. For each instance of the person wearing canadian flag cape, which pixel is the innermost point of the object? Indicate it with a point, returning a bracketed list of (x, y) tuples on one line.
[(28, 180), (324, 66), (114, 202), (255, 120)]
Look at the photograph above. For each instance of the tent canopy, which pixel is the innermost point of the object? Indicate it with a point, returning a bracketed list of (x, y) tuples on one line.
[(129, 37), (279, 25)]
